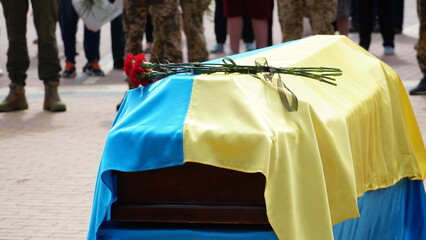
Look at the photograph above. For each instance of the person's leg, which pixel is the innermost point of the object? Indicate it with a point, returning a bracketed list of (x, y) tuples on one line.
[(342, 18), (270, 23), (149, 30), (68, 22), (354, 26), (235, 27), (260, 28), (45, 19), (91, 45), (220, 23), (15, 13), (193, 11), (118, 42), (420, 89), (290, 15), (247, 34), (366, 19), (399, 15), (386, 22), (220, 28), (321, 15), (134, 18), (167, 37)]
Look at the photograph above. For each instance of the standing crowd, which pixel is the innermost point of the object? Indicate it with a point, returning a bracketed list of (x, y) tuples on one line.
[(250, 20)]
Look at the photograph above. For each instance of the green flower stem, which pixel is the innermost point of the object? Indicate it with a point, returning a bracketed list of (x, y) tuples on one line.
[(322, 74)]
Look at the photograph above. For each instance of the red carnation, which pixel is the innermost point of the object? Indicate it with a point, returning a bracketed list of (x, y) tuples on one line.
[(134, 74), (128, 62)]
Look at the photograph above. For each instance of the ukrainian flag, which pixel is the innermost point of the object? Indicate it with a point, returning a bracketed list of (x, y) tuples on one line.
[(321, 162)]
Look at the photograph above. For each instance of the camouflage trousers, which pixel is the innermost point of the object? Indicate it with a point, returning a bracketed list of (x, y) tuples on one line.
[(421, 47), (165, 17), (193, 11), (321, 14)]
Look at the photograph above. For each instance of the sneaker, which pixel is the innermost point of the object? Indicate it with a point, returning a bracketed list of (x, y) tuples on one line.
[(389, 50), (250, 47), (1, 72), (93, 69), (69, 71), (218, 48), (420, 89)]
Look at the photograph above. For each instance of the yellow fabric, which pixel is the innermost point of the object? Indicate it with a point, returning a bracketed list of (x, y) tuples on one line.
[(342, 141)]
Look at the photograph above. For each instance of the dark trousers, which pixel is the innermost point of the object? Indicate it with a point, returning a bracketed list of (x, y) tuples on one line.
[(366, 11), (399, 14), (68, 21), (149, 29), (45, 18), (118, 40)]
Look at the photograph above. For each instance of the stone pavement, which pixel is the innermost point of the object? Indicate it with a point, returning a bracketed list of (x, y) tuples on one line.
[(49, 161)]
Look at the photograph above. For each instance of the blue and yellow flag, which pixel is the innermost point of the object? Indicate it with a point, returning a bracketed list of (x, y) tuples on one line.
[(343, 141)]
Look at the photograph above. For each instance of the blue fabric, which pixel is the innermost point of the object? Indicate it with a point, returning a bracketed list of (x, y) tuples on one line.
[(397, 212), (187, 234), (140, 119)]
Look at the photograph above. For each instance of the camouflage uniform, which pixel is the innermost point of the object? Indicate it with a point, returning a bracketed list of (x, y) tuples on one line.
[(193, 11), (166, 20), (321, 14), (421, 47)]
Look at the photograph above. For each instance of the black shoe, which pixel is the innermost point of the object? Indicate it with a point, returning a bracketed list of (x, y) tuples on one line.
[(420, 89)]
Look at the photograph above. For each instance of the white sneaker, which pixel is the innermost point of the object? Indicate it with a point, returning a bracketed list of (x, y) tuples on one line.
[(1, 72)]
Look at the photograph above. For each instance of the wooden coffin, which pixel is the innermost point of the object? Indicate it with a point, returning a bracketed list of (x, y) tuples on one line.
[(190, 193)]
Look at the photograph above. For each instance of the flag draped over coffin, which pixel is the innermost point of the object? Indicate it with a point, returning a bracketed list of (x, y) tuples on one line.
[(343, 141)]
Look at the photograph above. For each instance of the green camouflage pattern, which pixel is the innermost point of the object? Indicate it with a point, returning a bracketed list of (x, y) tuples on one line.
[(134, 17), (165, 17), (192, 16), (321, 14)]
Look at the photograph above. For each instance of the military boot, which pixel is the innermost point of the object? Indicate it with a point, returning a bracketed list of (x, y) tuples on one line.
[(15, 100), (52, 102)]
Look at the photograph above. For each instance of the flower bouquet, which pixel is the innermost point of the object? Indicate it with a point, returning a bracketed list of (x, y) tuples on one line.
[(140, 72)]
